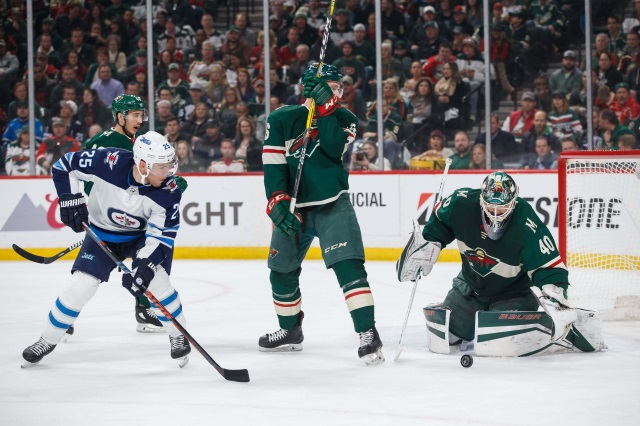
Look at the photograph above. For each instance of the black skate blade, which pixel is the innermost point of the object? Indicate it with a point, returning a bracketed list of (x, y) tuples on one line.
[(236, 375)]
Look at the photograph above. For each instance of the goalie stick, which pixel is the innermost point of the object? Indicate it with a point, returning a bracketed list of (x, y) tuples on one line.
[(231, 375), (312, 108), (45, 260), (415, 284)]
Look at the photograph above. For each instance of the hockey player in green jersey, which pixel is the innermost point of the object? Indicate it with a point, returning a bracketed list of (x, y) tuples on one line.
[(509, 258), (129, 113), (323, 210)]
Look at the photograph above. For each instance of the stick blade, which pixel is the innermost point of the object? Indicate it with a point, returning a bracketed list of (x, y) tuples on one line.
[(29, 256), (236, 375), (398, 352)]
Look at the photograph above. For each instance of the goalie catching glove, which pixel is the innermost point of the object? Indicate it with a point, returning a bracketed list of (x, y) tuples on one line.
[(318, 89), (144, 271), (418, 256), (278, 209), (553, 300), (73, 211)]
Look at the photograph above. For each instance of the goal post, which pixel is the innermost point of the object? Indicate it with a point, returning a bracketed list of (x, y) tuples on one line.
[(599, 230)]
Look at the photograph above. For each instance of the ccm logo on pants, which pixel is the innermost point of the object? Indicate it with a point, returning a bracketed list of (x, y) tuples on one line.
[(335, 246)]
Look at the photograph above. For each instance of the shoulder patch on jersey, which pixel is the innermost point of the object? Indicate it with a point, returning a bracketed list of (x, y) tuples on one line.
[(111, 159), (170, 185), (531, 225), (480, 261), (462, 193), (125, 219)]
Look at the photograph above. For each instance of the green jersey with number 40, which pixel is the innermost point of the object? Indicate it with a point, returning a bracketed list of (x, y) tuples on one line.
[(323, 176), (524, 255)]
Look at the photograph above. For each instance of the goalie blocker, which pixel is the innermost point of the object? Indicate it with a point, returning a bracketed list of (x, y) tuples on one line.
[(517, 333)]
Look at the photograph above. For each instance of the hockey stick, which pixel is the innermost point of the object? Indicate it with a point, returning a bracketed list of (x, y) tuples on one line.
[(232, 375), (45, 260), (415, 284), (312, 108)]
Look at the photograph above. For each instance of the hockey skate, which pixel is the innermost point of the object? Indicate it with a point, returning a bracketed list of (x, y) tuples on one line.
[(147, 320), (34, 353), (180, 349), (68, 334), (283, 340), (370, 349)]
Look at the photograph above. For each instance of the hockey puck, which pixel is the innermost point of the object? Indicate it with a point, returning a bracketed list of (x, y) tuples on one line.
[(466, 361)]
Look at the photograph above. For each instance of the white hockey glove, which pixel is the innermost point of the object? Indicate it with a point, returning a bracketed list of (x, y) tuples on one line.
[(554, 301), (418, 256)]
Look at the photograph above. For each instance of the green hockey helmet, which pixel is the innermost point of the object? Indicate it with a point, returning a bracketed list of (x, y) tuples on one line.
[(328, 73), (125, 103), (498, 198)]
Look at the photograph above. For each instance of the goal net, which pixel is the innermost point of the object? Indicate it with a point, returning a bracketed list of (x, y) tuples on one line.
[(599, 230)]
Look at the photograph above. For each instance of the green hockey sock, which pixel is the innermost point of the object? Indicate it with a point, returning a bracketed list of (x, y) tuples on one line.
[(285, 288), (143, 301), (352, 278)]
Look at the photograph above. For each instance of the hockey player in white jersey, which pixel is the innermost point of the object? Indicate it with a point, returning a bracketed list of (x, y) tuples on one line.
[(134, 207)]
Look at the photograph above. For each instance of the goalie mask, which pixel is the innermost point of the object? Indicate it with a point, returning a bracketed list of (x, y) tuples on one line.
[(157, 153), (498, 199)]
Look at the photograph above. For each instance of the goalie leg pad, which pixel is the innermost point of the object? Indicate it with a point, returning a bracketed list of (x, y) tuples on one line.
[(437, 328), (162, 289), (528, 333), (80, 288)]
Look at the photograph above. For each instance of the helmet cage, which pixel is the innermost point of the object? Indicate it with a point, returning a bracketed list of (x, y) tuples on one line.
[(498, 198)]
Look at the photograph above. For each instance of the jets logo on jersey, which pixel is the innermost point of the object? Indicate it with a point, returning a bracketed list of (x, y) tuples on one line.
[(171, 185), (481, 262), (296, 144), (127, 220), (111, 159)]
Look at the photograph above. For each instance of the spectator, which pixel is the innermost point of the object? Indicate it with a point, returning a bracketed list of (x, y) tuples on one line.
[(72, 59), (632, 21), (195, 126), (315, 17), (471, 66), (178, 87), (420, 114), (288, 48), (107, 87), (520, 40), (256, 57), (627, 143), (410, 84), (569, 144), (196, 93), (43, 86), (462, 158), (246, 34), (186, 161), (392, 127), (116, 55), (303, 59), (418, 34), (604, 97), (332, 51), (521, 120), (366, 158), (200, 71), (350, 65), (233, 43), (96, 37), (256, 105), (626, 108), (341, 31), (391, 67), (363, 50), (278, 88), (631, 50), (8, 65), (161, 70), (503, 144), (551, 21), (353, 101), (567, 78), (460, 20), (500, 58), (172, 131), (564, 121), (546, 159), (92, 110), (102, 58), (601, 46), (449, 91), (227, 113), (432, 68), (86, 53), (140, 62), (54, 147), (182, 38), (21, 120), (474, 13), (244, 86), (580, 99), (180, 12), (207, 148), (115, 10), (47, 28), (73, 127), (612, 130), (308, 34), (20, 95), (228, 163), (437, 146), (429, 46), (540, 128), (248, 147), (607, 74), (217, 85), (479, 159), (617, 40), (68, 79), (393, 23), (50, 71), (18, 154), (46, 48), (445, 15)]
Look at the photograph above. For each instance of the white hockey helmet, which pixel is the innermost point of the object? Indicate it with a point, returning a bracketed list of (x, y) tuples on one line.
[(157, 153)]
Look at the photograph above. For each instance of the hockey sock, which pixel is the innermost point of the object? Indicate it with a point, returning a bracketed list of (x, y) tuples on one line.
[(143, 301), (285, 288), (80, 288), (352, 278), (167, 295)]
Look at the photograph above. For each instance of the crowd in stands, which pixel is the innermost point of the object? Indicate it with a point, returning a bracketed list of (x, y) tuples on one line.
[(209, 96)]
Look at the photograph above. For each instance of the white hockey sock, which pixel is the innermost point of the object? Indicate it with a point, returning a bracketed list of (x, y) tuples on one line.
[(80, 288), (163, 290)]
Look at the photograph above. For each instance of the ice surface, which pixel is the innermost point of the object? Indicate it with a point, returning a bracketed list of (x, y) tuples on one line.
[(108, 374)]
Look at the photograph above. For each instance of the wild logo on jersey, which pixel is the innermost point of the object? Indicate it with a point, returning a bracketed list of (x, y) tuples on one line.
[(125, 219), (480, 261), (294, 146)]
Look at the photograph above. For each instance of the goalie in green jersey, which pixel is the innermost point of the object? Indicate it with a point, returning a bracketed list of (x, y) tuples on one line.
[(509, 259), (323, 210)]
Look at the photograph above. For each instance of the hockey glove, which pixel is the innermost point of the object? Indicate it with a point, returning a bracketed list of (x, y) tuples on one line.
[(318, 89), (418, 256), (181, 182), (553, 300), (73, 211), (278, 210), (137, 284)]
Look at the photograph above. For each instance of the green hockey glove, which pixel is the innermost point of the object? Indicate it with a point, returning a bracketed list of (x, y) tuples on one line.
[(322, 94), (181, 182), (278, 210)]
